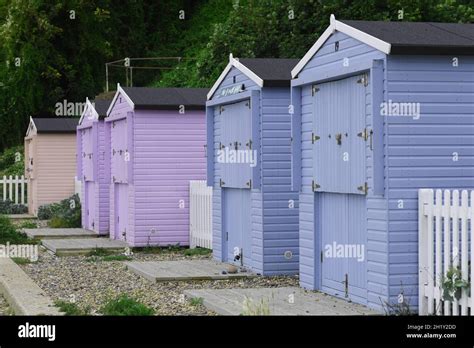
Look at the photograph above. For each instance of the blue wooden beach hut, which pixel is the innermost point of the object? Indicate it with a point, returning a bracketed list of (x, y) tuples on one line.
[(255, 213), (381, 109)]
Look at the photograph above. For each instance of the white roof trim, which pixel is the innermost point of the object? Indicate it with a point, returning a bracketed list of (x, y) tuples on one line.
[(89, 106), (234, 62), (335, 25), (119, 91), (29, 124)]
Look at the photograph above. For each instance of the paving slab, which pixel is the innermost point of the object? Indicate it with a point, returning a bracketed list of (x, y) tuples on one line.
[(279, 301), (23, 295), (59, 233), (163, 271), (81, 246)]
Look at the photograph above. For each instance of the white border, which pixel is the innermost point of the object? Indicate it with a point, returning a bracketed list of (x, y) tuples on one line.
[(120, 91), (335, 25), (87, 107), (29, 128), (234, 62)]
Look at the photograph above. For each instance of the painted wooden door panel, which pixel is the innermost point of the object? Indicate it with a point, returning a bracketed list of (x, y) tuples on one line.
[(237, 225), (236, 133), (88, 154), (121, 210), (342, 228), (119, 148), (338, 150), (90, 204)]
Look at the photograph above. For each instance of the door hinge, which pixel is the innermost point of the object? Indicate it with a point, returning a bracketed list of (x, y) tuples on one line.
[(364, 134), (321, 256), (249, 144), (314, 138), (364, 80), (227, 236), (364, 188), (249, 183), (221, 110), (249, 104), (221, 183), (314, 90), (314, 186)]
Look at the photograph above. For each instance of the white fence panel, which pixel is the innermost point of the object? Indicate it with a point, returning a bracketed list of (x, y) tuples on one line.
[(78, 188), (14, 189), (200, 215), (446, 244)]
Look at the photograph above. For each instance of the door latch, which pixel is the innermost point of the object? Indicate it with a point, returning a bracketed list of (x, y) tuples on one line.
[(364, 188), (339, 138), (346, 285)]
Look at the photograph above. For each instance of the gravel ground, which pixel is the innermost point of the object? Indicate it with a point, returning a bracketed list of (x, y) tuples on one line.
[(4, 308), (91, 283)]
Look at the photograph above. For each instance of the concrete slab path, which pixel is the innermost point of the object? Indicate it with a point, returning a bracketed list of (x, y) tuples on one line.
[(23, 295), (59, 233), (280, 301), (81, 246), (161, 271)]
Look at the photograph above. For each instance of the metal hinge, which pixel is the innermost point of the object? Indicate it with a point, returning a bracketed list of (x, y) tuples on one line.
[(364, 134), (227, 236), (314, 90), (364, 188), (221, 183), (221, 109), (249, 183), (364, 80), (321, 256), (346, 285), (249, 144), (314, 186), (314, 138), (249, 104)]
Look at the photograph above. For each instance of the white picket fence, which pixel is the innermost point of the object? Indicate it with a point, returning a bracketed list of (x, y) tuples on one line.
[(14, 189), (446, 241), (200, 215)]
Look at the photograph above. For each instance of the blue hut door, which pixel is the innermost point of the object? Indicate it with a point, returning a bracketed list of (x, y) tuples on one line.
[(339, 143), (236, 226)]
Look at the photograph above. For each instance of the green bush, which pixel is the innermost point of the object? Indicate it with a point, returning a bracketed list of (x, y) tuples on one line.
[(66, 214), (8, 207), (126, 306), (9, 233), (11, 161)]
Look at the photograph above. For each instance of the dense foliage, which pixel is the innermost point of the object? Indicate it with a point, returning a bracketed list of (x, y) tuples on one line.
[(66, 214), (51, 51), (11, 162), (9, 233)]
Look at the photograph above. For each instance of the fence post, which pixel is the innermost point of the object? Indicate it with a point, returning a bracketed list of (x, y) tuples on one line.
[(22, 189), (425, 196)]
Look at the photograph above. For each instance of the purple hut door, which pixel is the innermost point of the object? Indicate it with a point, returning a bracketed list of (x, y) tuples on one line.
[(121, 211), (88, 177), (90, 205)]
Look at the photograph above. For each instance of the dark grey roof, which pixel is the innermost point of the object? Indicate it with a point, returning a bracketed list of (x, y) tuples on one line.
[(420, 37), (167, 98), (56, 124), (101, 106), (273, 71)]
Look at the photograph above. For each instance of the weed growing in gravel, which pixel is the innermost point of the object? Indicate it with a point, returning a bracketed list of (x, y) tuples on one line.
[(196, 301), (99, 252), (197, 251), (250, 307), (21, 260), (70, 308), (116, 258), (126, 306)]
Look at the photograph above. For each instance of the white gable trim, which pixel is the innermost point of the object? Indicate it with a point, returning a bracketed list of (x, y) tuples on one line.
[(234, 62), (89, 106), (29, 126), (334, 26), (122, 92)]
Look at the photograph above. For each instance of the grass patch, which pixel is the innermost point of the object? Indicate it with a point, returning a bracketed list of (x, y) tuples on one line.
[(12, 234), (28, 224), (126, 306), (196, 301), (99, 252), (71, 309), (21, 260), (116, 258), (197, 251)]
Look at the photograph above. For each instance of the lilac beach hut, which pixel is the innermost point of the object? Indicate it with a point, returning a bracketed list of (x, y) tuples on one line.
[(157, 145), (93, 170)]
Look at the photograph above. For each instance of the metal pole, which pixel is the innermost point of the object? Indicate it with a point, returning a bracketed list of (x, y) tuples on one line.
[(106, 77)]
